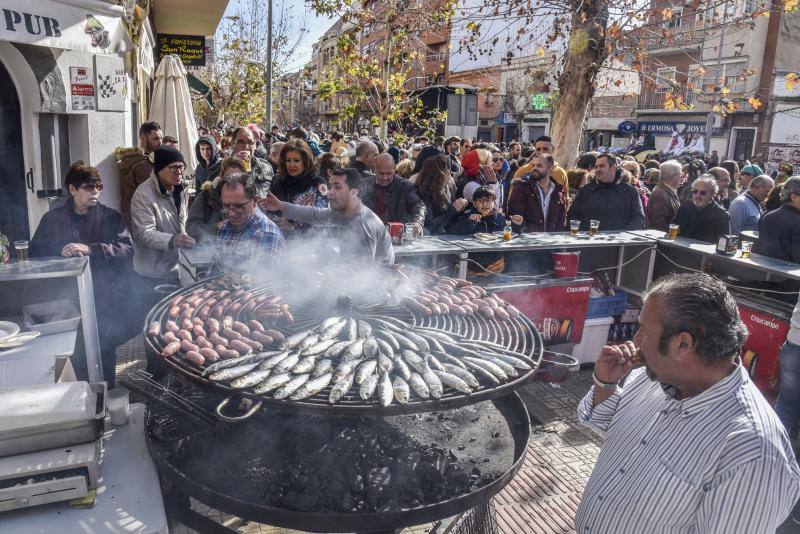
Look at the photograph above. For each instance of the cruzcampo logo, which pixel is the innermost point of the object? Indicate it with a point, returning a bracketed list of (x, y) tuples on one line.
[(99, 35)]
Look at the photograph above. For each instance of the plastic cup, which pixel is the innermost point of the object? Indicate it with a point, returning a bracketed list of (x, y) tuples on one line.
[(673, 231), (574, 226), (21, 249), (747, 246), (118, 406), (593, 226)]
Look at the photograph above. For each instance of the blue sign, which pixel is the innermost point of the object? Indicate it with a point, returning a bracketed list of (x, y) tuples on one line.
[(665, 128), (626, 127)]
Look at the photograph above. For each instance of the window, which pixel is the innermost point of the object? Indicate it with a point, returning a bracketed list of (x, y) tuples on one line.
[(676, 19), (743, 140), (664, 75)]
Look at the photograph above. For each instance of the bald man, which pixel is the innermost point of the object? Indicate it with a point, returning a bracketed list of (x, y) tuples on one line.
[(391, 197), (364, 162)]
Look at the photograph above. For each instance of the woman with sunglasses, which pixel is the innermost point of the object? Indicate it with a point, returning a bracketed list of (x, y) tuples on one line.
[(85, 227), (702, 218)]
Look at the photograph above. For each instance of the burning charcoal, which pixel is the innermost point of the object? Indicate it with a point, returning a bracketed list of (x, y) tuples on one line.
[(299, 501), (354, 479), (389, 506), (345, 503), (378, 479)]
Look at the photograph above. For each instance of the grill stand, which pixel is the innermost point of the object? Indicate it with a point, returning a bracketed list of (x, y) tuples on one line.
[(478, 520)]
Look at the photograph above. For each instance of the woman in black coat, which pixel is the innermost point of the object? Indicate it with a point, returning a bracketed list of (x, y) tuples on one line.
[(433, 188), (84, 227)]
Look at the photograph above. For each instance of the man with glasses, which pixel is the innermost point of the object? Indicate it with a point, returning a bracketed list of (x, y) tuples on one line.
[(158, 210), (247, 238), (244, 148), (702, 218)]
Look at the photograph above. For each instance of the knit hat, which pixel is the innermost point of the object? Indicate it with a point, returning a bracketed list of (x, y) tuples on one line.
[(752, 169), (166, 155)]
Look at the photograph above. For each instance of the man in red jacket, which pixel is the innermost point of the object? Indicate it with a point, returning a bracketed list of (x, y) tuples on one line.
[(538, 203)]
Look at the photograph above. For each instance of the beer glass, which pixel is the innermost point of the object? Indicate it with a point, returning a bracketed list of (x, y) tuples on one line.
[(21, 248), (747, 246), (573, 227), (673, 231), (593, 226)]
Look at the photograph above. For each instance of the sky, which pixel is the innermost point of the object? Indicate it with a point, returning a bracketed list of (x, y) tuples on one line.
[(316, 27)]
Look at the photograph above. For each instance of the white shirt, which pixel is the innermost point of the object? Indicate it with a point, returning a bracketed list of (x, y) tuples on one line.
[(716, 463), (544, 199)]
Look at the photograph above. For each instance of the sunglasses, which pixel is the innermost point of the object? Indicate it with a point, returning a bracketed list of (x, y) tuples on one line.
[(497, 160), (245, 142), (92, 187), (234, 207), (699, 192)]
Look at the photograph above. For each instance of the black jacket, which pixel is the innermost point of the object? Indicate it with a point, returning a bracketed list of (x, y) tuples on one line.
[(402, 202), (110, 245), (779, 234), (205, 212), (362, 168), (705, 224), (617, 206), (438, 220)]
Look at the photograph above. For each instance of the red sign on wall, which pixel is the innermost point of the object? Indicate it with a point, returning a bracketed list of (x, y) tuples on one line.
[(760, 352)]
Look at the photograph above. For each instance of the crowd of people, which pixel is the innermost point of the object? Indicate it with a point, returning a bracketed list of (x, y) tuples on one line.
[(254, 193)]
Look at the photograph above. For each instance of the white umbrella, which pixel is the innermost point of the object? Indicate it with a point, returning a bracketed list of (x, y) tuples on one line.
[(171, 107)]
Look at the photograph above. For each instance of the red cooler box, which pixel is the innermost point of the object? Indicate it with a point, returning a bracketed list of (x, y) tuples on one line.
[(768, 327), (556, 306)]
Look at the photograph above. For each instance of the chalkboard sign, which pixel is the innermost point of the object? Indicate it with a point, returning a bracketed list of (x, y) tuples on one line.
[(190, 48)]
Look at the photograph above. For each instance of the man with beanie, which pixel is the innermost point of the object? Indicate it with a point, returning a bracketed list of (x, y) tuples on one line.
[(158, 212)]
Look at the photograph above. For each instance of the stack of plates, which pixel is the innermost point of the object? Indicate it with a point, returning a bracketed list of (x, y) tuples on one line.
[(11, 337)]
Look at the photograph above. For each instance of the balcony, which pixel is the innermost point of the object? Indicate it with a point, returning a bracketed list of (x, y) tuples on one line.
[(435, 56), (689, 34), (649, 99)]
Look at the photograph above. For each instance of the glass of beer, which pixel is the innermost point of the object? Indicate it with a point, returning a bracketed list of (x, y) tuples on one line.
[(573, 227), (747, 246), (673, 231), (21, 249), (593, 226)]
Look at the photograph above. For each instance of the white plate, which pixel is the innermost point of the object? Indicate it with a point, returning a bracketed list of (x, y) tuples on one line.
[(19, 339), (8, 329)]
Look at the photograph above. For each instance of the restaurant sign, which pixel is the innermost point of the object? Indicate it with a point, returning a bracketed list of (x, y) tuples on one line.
[(190, 48)]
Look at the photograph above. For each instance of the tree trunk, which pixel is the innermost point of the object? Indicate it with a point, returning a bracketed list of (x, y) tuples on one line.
[(584, 55)]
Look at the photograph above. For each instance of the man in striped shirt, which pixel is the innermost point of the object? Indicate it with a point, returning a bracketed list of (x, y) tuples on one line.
[(247, 238), (690, 445)]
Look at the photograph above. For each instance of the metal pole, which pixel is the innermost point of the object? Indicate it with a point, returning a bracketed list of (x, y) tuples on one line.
[(269, 64), (710, 116)]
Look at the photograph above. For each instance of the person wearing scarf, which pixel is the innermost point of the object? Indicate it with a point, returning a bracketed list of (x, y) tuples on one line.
[(299, 183), (84, 227)]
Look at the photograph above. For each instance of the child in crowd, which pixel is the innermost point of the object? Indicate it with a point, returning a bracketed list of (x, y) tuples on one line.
[(482, 217)]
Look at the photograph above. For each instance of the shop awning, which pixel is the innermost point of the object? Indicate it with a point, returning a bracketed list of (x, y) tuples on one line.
[(198, 89), (188, 17), (88, 25)]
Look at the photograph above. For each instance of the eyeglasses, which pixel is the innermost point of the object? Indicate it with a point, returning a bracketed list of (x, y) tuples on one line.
[(699, 192), (235, 207), (245, 142), (92, 187), (483, 201), (497, 160), (177, 168)]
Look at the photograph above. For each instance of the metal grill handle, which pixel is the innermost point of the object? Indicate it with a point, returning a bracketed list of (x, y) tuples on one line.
[(247, 415)]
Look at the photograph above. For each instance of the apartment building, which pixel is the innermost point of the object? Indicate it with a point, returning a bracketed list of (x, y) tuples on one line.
[(707, 56)]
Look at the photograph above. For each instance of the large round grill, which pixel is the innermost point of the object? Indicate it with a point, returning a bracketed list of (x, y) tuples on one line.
[(515, 334)]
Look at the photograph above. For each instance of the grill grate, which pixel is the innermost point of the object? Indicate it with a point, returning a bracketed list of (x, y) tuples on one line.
[(517, 334)]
